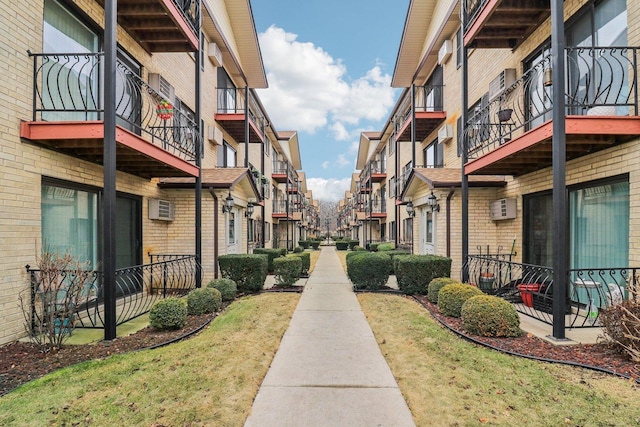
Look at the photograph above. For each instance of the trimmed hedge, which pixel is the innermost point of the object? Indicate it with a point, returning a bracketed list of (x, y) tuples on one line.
[(452, 297), (368, 270), (415, 272), (315, 244), (306, 261), (386, 246), (490, 316), (341, 245), (395, 254), (304, 244), (248, 271), (227, 288), (203, 301), (168, 313), (435, 285), (287, 270), (271, 253), (353, 244), (373, 247)]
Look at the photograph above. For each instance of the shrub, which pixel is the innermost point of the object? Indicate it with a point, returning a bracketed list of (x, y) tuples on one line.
[(373, 247), (248, 271), (341, 245), (353, 243), (414, 272), (490, 316), (386, 246), (621, 326), (358, 248), (227, 288), (368, 270), (287, 270), (435, 285), (306, 261), (203, 301), (272, 254), (315, 244), (298, 249), (451, 297), (394, 255), (304, 244), (168, 313)]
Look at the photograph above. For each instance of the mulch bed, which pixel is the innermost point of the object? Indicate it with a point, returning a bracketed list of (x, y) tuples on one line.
[(600, 356)]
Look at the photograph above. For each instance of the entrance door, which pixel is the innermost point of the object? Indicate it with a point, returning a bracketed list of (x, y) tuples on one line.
[(427, 231)]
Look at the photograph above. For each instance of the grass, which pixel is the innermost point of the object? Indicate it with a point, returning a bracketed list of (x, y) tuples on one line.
[(343, 259), (210, 379), (315, 254), (448, 381)]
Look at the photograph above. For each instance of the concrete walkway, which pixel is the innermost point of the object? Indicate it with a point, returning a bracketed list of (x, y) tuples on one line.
[(329, 370)]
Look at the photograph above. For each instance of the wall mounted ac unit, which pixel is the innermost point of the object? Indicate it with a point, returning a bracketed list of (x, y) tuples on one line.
[(215, 55), (214, 135), (162, 210), (445, 133), (502, 209), (162, 86), (502, 81), (445, 51)]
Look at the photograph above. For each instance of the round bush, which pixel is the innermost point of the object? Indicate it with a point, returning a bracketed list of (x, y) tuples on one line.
[(203, 301), (287, 270), (435, 285), (169, 313), (227, 288), (490, 316), (298, 249), (451, 297), (368, 270)]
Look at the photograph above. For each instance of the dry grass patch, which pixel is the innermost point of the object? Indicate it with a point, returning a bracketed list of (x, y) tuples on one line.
[(315, 254), (450, 382), (343, 259), (210, 379)]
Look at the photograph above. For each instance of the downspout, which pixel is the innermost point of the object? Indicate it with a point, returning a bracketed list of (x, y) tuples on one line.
[(216, 247), (452, 191)]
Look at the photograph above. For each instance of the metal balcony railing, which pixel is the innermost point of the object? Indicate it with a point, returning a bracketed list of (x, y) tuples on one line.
[(69, 87), (470, 11), (530, 287), (427, 99), (232, 100), (600, 81), (282, 207), (137, 289), (190, 10)]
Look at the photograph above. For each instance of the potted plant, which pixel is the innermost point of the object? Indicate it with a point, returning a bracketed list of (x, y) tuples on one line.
[(504, 115)]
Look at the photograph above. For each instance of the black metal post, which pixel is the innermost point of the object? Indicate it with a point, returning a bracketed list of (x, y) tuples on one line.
[(246, 126), (109, 171), (286, 191), (464, 154), (264, 191), (413, 126), (199, 148), (559, 170)]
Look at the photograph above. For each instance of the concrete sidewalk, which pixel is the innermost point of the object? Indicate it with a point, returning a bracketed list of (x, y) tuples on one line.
[(329, 370)]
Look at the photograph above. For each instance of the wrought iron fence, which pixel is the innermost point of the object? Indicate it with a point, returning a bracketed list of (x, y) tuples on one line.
[(427, 98), (137, 289), (600, 81), (69, 87), (470, 10), (282, 206), (530, 287), (232, 101), (190, 10)]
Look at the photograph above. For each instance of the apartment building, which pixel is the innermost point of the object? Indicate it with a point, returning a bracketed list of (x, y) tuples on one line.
[(178, 178), (492, 123)]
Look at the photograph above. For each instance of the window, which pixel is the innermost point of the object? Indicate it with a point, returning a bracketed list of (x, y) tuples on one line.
[(227, 99), (392, 187), (251, 232), (231, 228), (408, 230), (226, 156), (460, 136), (432, 155), (267, 231), (392, 230), (459, 48)]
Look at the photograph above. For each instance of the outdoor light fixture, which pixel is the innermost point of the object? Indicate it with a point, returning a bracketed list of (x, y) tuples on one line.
[(411, 210), (229, 203), (547, 77), (299, 225), (249, 211), (433, 203)]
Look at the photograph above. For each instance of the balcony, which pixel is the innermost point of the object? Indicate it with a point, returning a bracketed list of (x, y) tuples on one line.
[(282, 209), (231, 115), (502, 23), (283, 172), (512, 135), (377, 208), (375, 170), (428, 110), (153, 139), (161, 25)]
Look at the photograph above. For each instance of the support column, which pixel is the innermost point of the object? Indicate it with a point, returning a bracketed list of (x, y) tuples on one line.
[(463, 139), (199, 148), (109, 170)]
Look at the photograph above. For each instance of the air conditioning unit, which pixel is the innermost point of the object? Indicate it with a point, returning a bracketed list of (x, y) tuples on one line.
[(162, 86), (162, 210), (215, 55), (445, 51), (214, 135), (502, 81), (502, 209), (445, 133)]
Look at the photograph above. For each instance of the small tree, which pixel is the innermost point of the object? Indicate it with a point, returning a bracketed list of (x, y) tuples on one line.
[(49, 305)]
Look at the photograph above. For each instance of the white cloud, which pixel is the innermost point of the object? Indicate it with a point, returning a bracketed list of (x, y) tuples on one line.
[(342, 161), (331, 189), (308, 91), (325, 164)]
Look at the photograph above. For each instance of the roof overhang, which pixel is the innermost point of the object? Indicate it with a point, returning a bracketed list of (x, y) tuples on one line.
[(447, 178), (232, 179)]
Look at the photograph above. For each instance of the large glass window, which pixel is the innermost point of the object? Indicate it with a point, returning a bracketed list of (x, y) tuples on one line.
[(432, 155), (226, 156)]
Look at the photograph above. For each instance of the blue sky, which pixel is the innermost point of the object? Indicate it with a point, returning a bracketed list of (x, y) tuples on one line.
[(329, 66)]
